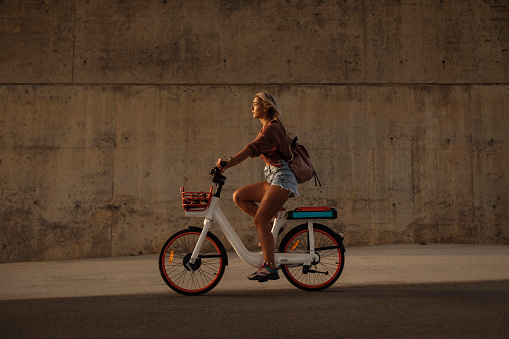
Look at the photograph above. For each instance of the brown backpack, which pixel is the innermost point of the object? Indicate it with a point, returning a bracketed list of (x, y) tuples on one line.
[(301, 164)]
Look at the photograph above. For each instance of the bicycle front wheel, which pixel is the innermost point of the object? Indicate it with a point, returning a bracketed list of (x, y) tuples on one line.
[(321, 274), (196, 278)]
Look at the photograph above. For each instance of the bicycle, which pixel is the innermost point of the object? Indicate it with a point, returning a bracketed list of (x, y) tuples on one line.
[(192, 261)]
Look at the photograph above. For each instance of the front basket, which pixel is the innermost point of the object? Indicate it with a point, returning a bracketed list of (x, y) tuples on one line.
[(196, 201)]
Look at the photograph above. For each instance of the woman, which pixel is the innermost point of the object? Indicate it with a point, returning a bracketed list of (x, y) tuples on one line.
[(264, 199)]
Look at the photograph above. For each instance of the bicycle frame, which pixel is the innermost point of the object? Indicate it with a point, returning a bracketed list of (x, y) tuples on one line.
[(214, 214)]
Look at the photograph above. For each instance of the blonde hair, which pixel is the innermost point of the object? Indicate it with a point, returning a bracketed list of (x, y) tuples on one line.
[(274, 112)]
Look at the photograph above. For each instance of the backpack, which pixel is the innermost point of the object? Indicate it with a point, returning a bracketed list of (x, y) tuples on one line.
[(301, 164)]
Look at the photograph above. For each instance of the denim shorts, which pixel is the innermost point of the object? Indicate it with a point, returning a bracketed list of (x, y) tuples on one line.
[(282, 177)]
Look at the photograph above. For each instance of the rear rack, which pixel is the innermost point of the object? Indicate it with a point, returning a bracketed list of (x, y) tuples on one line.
[(323, 212)]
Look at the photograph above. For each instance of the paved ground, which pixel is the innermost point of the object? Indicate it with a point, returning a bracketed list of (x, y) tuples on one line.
[(438, 310), (392, 291), (374, 265)]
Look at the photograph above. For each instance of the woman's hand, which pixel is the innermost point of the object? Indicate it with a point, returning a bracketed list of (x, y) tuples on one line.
[(218, 164), (235, 160)]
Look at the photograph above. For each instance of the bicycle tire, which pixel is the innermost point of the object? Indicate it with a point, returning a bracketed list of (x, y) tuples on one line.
[(329, 247), (200, 277)]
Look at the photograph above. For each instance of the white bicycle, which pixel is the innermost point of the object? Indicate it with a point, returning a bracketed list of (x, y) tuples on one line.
[(192, 261)]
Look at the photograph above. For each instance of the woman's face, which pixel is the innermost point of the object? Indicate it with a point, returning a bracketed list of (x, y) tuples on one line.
[(258, 110)]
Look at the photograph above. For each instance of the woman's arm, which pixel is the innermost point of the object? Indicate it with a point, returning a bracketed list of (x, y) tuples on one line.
[(237, 159)]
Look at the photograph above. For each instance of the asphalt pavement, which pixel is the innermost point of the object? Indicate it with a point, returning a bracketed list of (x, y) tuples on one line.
[(373, 265), (396, 291)]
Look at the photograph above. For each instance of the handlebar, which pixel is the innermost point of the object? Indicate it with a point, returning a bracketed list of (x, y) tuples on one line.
[(218, 179)]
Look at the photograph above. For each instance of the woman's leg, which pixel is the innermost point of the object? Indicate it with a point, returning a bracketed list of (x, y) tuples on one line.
[(271, 199), (247, 197), (271, 202)]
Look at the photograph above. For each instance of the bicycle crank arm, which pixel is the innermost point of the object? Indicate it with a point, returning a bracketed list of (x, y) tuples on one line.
[(315, 271)]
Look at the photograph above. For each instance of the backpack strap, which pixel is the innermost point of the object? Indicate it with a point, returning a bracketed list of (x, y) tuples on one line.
[(290, 146), (316, 179), (294, 142)]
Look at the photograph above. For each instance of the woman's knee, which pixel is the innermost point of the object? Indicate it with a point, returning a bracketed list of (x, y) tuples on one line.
[(237, 196), (250, 193), (261, 221)]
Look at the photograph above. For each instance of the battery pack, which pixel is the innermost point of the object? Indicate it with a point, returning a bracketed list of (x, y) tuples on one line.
[(312, 213)]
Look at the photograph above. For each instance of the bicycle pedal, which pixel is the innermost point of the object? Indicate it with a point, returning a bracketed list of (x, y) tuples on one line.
[(264, 279)]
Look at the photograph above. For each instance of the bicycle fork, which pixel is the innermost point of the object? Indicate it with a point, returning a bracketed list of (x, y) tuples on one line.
[(197, 248)]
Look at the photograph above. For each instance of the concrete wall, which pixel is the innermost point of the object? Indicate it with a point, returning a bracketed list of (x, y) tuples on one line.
[(107, 108)]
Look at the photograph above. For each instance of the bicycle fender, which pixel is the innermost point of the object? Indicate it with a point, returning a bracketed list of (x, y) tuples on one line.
[(216, 239), (342, 246), (341, 238)]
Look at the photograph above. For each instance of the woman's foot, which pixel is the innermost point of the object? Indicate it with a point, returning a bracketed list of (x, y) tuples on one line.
[(264, 273)]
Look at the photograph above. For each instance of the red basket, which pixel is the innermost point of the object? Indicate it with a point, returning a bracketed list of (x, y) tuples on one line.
[(196, 201)]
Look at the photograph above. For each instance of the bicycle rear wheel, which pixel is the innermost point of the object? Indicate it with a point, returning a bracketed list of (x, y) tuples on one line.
[(192, 279), (321, 274)]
